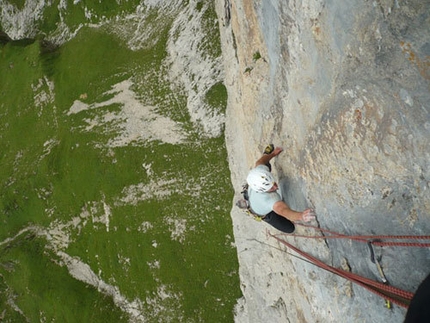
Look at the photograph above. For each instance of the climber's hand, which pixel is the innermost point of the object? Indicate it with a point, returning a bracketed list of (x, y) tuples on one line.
[(308, 215), (277, 151)]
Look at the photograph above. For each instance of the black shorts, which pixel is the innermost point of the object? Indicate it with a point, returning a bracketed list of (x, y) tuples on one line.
[(279, 222)]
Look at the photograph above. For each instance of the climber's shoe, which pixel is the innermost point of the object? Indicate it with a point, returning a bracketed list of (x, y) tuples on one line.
[(269, 149)]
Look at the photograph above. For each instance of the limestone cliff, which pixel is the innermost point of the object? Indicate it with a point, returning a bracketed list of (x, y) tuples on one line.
[(343, 87)]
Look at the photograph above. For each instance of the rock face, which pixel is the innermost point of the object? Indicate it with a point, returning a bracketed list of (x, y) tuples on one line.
[(343, 87)]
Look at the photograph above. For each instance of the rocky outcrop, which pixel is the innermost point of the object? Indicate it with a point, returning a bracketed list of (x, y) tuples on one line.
[(343, 87)]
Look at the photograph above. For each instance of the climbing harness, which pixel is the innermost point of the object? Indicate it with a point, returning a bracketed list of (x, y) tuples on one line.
[(390, 293), (244, 204)]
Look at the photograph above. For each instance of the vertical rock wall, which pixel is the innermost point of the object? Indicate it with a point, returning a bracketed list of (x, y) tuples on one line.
[(343, 87)]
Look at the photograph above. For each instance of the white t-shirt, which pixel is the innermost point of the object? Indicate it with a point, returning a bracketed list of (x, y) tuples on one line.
[(262, 203)]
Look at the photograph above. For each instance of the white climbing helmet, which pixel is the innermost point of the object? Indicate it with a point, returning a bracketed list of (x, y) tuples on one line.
[(260, 180)]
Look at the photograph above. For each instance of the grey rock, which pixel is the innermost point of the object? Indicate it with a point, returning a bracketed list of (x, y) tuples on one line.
[(343, 87)]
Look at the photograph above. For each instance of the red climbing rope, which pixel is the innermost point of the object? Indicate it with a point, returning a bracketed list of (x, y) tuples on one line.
[(393, 294), (365, 239)]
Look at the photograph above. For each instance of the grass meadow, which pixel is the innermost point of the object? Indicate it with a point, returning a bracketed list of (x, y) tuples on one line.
[(144, 215)]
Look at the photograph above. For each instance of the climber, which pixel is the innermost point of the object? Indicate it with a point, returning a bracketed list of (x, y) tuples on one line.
[(265, 201)]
